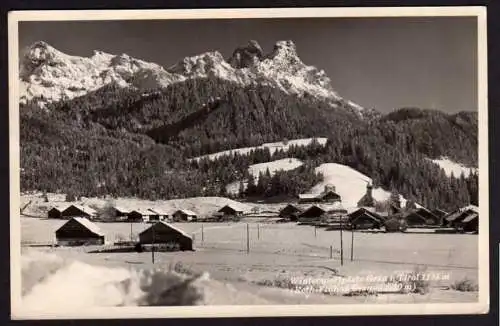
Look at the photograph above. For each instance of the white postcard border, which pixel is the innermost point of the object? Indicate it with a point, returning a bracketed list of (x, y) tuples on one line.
[(480, 307)]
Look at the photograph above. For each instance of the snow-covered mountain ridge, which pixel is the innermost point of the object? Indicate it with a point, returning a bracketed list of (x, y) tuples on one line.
[(48, 75)]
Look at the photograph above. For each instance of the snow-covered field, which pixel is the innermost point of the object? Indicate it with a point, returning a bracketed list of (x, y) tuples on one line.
[(285, 164), (450, 167), (273, 147), (277, 251), (349, 183)]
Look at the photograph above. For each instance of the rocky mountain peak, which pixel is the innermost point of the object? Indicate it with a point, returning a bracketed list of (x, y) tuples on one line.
[(246, 56)]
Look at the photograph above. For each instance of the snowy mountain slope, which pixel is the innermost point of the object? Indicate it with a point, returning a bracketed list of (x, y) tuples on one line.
[(273, 147), (285, 164), (48, 75), (349, 183), (450, 167)]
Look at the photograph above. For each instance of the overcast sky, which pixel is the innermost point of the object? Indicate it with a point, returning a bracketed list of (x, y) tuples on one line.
[(382, 63)]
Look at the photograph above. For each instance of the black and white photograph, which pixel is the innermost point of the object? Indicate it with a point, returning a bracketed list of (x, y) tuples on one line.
[(248, 162)]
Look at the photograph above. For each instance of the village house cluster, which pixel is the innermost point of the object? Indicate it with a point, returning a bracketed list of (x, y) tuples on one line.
[(321, 210), (325, 209)]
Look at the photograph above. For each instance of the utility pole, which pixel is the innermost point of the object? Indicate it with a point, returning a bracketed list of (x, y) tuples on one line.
[(258, 232), (315, 230), (352, 244), (202, 234), (153, 244), (131, 232), (248, 239), (341, 244)]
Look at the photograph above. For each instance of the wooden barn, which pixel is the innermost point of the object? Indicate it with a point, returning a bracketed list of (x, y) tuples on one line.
[(158, 215), (231, 211), (79, 231), (470, 223), (120, 212), (79, 211), (421, 217), (164, 233), (465, 219), (184, 215), (314, 212), (290, 212), (139, 215), (364, 218), (56, 212), (327, 196)]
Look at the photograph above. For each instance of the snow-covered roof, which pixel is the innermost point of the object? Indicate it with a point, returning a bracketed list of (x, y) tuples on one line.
[(158, 211), (473, 208), (142, 211), (186, 212), (470, 217), (235, 207), (88, 225), (84, 209), (169, 226), (122, 209), (60, 208)]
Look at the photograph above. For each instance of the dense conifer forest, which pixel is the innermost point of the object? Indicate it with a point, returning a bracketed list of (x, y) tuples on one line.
[(124, 142)]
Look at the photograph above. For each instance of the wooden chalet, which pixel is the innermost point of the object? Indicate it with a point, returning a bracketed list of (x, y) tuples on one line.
[(290, 212), (183, 215), (365, 218), (79, 211), (231, 210), (56, 212), (465, 219), (79, 231), (139, 215), (327, 196), (165, 233), (121, 212), (158, 215), (326, 213), (421, 216)]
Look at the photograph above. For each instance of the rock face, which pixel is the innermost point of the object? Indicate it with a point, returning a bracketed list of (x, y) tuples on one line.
[(246, 56), (48, 75)]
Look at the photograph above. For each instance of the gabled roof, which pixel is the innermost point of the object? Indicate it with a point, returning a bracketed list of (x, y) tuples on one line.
[(142, 211), (122, 209), (163, 223), (473, 208), (87, 224), (234, 207), (470, 217), (84, 209), (186, 212), (369, 212), (158, 211), (59, 208)]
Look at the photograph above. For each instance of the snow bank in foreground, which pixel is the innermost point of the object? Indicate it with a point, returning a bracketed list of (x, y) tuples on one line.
[(273, 147), (450, 167), (349, 183), (74, 285)]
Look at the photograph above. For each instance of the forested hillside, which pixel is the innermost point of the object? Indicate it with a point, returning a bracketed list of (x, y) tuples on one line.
[(122, 141)]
